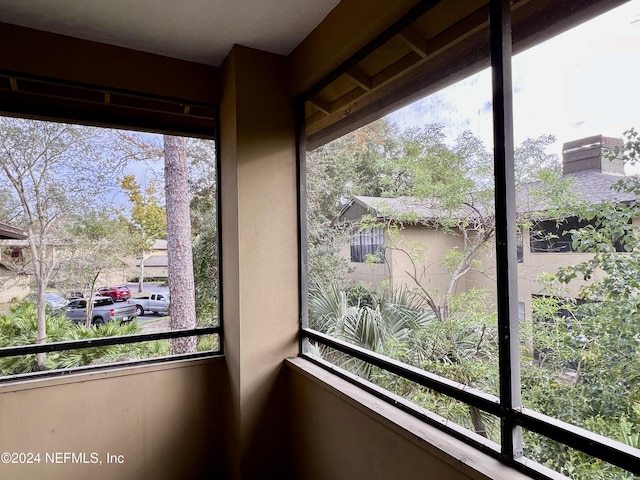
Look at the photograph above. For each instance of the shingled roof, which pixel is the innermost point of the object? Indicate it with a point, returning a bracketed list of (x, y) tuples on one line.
[(587, 165)]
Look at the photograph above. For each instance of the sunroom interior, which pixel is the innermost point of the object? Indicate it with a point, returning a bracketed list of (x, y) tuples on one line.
[(261, 410)]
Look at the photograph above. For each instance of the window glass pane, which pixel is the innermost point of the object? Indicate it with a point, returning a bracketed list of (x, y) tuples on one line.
[(401, 222), (574, 463), (578, 279), (85, 208), (424, 176), (450, 410)]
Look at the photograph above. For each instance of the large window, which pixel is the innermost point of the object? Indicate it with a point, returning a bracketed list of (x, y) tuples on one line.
[(87, 244), (557, 236), (464, 324)]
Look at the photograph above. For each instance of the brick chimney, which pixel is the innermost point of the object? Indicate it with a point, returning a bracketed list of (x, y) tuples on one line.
[(592, 153)]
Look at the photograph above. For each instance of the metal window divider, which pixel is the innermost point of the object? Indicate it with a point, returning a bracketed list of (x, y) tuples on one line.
[(506, 242)]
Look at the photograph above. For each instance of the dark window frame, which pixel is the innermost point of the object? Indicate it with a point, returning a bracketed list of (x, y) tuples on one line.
[(556, 236), (32, 349), (367, 245), (507, 406)]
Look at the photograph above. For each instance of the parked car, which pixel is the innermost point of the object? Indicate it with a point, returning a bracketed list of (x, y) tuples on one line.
[(155, 302), (118, 293), (104, 310), (54, 301)]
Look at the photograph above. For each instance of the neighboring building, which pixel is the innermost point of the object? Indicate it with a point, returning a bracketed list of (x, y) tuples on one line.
[(15, 263), (12, 283), (156, 262), (376, 256)]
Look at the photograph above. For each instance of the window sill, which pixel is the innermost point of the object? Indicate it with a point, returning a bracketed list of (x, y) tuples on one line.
[(469, 461)]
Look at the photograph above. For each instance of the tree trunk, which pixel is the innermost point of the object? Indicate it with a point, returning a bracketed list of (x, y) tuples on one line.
[(141, 273), (181, 282), (40, 277), (41, 335)]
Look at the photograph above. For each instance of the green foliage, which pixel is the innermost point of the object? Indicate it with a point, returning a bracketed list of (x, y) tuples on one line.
[(579, 357), (205, 252), (18, 327), (398, 324), (385, 316), (148, 216), (207, 309), (583, 363)]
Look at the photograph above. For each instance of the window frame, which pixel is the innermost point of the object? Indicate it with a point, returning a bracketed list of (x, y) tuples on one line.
[(507, 406), (560, 235), (375, 237), (218, 330)]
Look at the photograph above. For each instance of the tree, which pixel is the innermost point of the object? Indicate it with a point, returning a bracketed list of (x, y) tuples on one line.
[(204, 221), (456, 181), (204, 227), (95, 243), (181, 282), (584, 368), (148, 218), (579, 355), (52, 169), (350, 165)]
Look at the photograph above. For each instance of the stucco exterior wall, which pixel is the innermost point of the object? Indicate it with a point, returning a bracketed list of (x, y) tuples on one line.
[(426, 247), (13, 288), (430, 247)]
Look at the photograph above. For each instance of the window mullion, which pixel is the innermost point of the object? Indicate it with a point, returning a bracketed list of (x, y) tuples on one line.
[(506, 242)]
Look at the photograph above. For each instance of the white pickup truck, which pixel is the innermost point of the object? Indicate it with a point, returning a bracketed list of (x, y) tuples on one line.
[(154, 302)]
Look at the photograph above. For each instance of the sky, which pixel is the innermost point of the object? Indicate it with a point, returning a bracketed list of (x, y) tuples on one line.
[(583, 82)]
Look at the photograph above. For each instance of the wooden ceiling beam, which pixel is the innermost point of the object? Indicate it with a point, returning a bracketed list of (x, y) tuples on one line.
[(414, 40), (321, 104), (421, 50), (395, 69), (347, 99), (360, 77)]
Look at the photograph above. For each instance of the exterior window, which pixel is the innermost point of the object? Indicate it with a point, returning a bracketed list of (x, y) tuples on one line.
[(70, 245), (520, 248), (368, 245), (551, 236), (459, 325)]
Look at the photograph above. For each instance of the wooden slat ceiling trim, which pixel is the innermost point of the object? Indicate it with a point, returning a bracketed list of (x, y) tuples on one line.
[(407, 50), (444, 45)]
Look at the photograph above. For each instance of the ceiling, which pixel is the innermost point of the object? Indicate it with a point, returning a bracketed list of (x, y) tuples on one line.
[(201, 31), (416, 52)]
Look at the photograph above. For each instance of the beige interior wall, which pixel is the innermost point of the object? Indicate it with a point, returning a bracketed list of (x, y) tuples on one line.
[(259, 258), (48, 55), (160, 422), (340, 432)]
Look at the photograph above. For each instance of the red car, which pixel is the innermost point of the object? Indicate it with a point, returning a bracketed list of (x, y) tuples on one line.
[(118, 293)]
